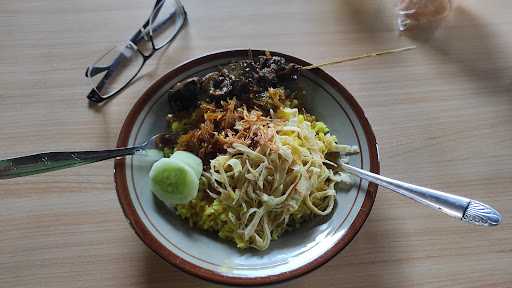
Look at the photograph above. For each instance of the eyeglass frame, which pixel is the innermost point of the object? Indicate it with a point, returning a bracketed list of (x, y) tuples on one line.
[(144, 33)]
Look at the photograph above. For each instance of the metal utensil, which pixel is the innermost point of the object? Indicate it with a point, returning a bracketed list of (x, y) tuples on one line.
[(465, 209), (51, 161)]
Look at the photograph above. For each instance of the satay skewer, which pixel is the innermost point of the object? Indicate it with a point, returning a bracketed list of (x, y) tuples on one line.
[(368, 55), (222, 85)]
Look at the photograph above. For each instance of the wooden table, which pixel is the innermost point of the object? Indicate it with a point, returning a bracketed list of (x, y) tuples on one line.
[(442, 115)]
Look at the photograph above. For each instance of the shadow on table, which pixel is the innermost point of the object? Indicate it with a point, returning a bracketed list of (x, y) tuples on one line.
[(160, 274), (468, 42), (366, 262), (366, 14)]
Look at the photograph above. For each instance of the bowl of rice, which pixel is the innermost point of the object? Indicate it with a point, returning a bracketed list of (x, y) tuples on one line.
[(271, 204)]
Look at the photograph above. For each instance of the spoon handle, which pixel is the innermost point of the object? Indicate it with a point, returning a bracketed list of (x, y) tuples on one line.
[(51, 161), (465, 209)]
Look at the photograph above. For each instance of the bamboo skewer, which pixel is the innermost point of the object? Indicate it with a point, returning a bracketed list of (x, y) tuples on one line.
[(349, 59)]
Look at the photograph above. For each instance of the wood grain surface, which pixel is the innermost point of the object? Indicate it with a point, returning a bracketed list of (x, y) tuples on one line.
[(442, 115)]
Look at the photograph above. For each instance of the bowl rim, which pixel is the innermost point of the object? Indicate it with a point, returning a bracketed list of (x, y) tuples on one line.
[(151, 241)]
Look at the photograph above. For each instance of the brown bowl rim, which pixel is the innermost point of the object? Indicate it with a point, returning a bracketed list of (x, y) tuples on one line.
[(150, 240)]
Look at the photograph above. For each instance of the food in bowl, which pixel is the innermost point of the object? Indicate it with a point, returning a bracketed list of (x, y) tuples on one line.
[(206, 255), (268, 166)]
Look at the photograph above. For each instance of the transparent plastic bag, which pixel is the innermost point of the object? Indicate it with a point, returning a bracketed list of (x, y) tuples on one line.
[(412, 13)]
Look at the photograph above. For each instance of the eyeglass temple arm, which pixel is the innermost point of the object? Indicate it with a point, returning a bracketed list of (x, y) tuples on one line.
[(142, 32), (136, 37)]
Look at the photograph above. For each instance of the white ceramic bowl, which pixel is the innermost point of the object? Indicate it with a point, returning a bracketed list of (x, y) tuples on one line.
[(207, 256)]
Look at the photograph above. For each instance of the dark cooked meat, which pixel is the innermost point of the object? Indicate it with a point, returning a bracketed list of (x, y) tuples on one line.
[(184, 95), (290, 73), (245, 80), (241, 88), (217, 85), (275, 70), (166, 140), (203, 142)]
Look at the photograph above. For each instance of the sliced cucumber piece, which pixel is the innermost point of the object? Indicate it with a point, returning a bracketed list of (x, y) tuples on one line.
[(189, 159), (173, 181)]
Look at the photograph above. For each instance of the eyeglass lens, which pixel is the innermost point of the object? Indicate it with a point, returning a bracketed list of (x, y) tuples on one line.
[(120, 65)]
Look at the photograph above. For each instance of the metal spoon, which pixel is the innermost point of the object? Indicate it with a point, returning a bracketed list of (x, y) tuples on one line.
[(51, 161), (465, 209)]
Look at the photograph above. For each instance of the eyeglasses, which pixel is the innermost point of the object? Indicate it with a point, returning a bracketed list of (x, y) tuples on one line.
[(110, 74)]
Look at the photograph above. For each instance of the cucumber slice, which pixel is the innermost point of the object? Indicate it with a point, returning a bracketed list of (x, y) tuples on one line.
[(189, 159), (173, 182)]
